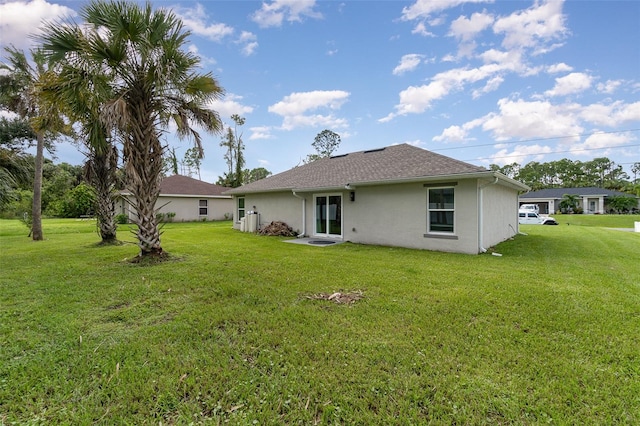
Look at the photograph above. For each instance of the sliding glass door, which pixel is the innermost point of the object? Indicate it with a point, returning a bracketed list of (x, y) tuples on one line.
[(328, 215)]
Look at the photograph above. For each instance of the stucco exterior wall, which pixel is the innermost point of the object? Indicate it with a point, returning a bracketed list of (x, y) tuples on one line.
[(396, 215), (500, 214), (187, 209), (274, 206)]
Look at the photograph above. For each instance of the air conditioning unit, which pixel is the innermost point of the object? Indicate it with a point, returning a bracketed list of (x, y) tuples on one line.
[(252, 220)]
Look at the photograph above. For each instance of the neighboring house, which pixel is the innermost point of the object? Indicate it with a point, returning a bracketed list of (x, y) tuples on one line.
[(592, 200), (190, 199), (395, 196)]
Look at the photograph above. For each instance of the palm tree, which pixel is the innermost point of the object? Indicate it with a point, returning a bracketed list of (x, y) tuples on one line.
[(74, 92), (569, 202), (152, 81), (21, 94)]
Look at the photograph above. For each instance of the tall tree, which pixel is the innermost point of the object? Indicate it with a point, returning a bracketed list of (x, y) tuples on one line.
[(74, 92), (193, 160), (635, 169), (253, 175), (234, 156), (21, 94), (16, 168), (152, 81), (325, 143)]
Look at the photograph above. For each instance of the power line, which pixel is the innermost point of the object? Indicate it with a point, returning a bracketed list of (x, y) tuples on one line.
[(537, 140), (555, 152)]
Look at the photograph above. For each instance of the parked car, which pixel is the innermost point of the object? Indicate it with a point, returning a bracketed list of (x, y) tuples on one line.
[(527, 217), (530, 207)]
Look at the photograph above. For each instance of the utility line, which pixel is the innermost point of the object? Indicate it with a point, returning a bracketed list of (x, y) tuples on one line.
[(554, 152), (535, 140)]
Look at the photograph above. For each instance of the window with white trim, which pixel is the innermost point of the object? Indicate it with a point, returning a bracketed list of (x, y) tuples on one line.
[(240, 208), (441, 211), (204, 207)]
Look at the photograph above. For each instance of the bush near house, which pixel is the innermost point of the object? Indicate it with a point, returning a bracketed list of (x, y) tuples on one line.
[(227, 332)]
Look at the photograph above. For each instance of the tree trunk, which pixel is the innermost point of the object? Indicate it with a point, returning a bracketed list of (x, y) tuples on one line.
[(143, 165), (105, 213), (100, 171), (36, 212)]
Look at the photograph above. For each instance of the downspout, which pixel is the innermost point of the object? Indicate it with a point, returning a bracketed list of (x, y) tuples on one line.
[(304, 214), (480, 214)]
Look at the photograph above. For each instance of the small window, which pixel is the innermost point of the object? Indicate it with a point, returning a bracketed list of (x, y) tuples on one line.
[(204, 210), (240, 208), (440, 210)]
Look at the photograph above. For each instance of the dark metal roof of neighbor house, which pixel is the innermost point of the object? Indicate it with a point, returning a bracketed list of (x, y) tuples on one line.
[(185, 186), (558, 193), (391, 164)]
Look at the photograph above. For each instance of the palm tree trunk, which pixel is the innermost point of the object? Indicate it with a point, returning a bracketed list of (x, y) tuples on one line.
[(100, 171), (105, 213), (143, 164), (36, 212)]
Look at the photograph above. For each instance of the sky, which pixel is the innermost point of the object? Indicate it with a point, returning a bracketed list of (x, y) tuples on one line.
[(486, 82)]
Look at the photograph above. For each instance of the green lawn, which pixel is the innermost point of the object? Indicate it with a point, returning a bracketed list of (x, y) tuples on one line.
[(549, 332)]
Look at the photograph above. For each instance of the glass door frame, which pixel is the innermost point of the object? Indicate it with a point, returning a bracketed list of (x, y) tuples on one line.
[(339, 211)]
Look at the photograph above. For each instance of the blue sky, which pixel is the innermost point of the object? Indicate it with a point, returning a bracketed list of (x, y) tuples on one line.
[(480, 81)]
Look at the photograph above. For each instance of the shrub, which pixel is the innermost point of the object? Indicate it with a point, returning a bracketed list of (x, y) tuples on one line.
[(122, 219)]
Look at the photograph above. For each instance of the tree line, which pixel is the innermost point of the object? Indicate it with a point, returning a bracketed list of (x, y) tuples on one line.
[(600, 172)]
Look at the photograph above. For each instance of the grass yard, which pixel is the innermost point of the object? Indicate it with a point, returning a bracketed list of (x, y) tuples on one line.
[(549, 332)]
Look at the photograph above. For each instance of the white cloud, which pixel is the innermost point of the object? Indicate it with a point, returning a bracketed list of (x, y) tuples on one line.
[(260, 132), (538, 119), (609, 86), (423, 9), (452, 134), (458, 133), (575, 82), (230, 105), (530, 28), (611, 115), (604, 141), (249, 43), (296, 109), (274, 13), (466, 29), (417, 99), (558, 68), (492, 85), (195, 19), (20, 19), (421, 29), (408, 63), (520, 154)]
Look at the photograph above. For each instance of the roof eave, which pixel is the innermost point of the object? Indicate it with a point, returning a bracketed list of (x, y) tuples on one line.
[(502, 179)]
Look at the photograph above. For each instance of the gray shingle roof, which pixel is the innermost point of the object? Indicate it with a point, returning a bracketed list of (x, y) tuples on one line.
[(557, 193), (183, 185), (392, 163)]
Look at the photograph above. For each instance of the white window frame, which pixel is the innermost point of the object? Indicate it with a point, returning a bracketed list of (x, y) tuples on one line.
[(205, 207), (315, 215), (439, 233), (242, 209)]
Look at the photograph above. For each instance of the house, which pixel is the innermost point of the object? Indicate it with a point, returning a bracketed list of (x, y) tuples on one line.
[(190, 199), (398, 195), (592, 200)]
